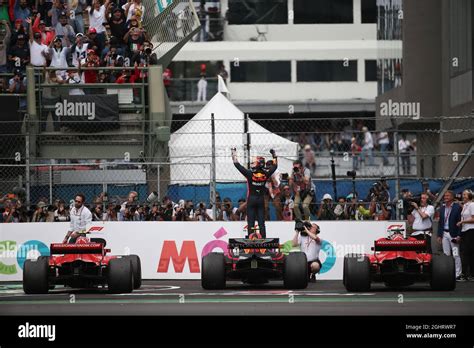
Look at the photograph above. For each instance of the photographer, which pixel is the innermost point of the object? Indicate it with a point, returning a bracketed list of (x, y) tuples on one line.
[(111, 214), (287, 204), (168, 212), (185, 211), (156, 213), (326, 210), (340, 210), (201, 213), (41, 212), (303, 189), (227, 211), (273, 194), (97, 213), (379, 207), (306, 237)]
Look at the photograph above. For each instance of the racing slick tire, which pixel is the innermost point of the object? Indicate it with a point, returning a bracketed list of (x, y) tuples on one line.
[(295, 271), (443, 273), (356, 274), (137, 271), (35, 276), (213, 271), (120, 277)]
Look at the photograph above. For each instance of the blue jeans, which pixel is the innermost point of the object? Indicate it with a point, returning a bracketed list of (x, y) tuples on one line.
[(383, 151), (78, 24), (369, 154)]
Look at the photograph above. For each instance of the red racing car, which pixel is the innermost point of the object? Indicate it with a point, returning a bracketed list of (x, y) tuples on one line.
[(398, 261), (84, 264), (254, 261)]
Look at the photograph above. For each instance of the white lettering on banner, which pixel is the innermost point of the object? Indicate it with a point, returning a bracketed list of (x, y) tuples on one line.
[(173, 250), (83, 109), (37, 331)]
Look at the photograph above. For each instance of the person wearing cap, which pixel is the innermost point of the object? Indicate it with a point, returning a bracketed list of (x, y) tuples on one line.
[(4, 44), (18, 28), (97, 20), (55, 11), (117, 23), (79, 49), (39, 26), (19, 54), (38, 51), (64, 30), (58, 53), (17, 84), (41, 212), (326, 209)]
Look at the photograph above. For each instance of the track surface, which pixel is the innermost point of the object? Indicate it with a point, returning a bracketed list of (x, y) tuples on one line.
[(178, 297)]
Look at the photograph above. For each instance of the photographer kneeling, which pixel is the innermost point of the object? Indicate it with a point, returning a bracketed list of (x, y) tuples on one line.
[(306, 237)]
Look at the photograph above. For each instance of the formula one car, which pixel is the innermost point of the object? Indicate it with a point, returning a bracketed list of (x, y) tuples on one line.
[(398, 261), (254, 261), (84, 264)]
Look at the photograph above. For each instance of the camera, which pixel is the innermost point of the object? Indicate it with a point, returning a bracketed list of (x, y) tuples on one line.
[(148, 51), (300, 225), (351, 173), (296, 169)]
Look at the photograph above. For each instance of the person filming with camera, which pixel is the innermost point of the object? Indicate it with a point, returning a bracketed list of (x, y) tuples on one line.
[(303, 189), (423, 219), (307, 238)]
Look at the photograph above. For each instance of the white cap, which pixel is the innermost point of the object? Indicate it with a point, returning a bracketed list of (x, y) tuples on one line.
[(327, 196)]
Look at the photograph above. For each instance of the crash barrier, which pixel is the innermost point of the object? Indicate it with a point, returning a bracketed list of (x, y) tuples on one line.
[(173, 250)]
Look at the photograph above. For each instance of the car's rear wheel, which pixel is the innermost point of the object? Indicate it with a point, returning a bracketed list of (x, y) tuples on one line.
[(35, 276), (120, 277), (356, 272), (137, 271), (443, 273), (295, 271), (213, 271)]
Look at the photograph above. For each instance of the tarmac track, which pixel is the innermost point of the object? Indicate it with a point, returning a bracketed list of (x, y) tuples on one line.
[(186, 297)]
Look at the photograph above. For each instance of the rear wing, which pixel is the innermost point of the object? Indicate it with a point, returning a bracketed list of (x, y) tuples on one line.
[(87, 248), (242, 243), (400, 245)]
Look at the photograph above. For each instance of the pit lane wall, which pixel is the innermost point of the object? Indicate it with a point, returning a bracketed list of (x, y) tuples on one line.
[(173, 250)]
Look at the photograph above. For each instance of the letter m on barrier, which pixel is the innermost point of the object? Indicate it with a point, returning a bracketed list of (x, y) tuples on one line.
[(170, 252)]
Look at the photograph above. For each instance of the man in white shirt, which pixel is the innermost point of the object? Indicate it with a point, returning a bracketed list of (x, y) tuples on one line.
[(404, 148), (384, 141), (467, 235), (423, 223), (97, 20), (309, 243), (368, 146), (38, 51), (81, 219)]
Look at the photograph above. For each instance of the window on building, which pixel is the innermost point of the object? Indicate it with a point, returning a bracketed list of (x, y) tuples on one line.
[(370, 70), (326, 71), (369, 11), (323, 11), (258, 12), (261, 71)]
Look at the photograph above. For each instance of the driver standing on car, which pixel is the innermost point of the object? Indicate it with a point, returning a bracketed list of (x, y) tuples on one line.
[(310, 243), (257, 176), (81, 218)]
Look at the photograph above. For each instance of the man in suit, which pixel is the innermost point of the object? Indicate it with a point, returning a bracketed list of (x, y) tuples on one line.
[(449, 233)]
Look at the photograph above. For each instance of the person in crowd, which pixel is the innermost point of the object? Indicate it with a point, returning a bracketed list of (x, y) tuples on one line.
[(5, 36), (47, 33), (273, 193), (97, 212), (383, 142), (303, 190), (423, 214), (287, 204), (404, 148), (326, 209), (467, 235), (202, 89), (76, 10), (64, 30), (309, 159), (227, 211), (379, 206), (61, 214), (340, 209), (117, 23), (356, 149), (132, 199), (367, 148), (240, 212), (111, 214), (19, 54), (58, 7), (96, 21), (79, 49), (17, 83), (22, 11), (202, 213), (449, 232), (39, 52), (59, 53)]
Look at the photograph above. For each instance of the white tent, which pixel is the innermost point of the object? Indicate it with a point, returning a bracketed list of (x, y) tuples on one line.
[(191, 146)]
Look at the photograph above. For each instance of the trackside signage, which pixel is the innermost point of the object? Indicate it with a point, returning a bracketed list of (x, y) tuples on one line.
[(173, 250)]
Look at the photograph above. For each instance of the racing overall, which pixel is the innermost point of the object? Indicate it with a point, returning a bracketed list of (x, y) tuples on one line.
[(256, 180)]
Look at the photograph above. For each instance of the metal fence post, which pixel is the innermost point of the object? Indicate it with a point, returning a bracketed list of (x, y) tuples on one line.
[(50, 184), (397, 171), (213, 167)]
